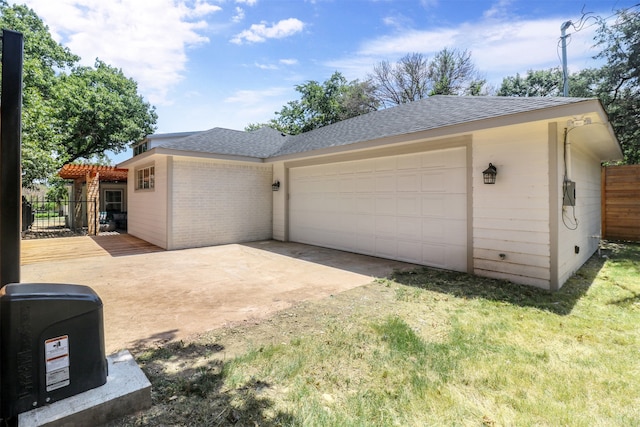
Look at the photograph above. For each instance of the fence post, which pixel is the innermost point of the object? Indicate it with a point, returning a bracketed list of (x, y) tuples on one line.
[(603, 202)]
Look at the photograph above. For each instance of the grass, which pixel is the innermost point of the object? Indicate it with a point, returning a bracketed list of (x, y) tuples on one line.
[(425, 347)]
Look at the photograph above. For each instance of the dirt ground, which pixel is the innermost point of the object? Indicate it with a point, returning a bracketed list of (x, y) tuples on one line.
[(153, 298)]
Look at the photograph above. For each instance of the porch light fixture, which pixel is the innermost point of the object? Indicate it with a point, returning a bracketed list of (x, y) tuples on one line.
[(275, 186), (489, 174)]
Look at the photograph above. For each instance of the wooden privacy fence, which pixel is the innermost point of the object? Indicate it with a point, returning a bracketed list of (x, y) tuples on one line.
[(621, 202)]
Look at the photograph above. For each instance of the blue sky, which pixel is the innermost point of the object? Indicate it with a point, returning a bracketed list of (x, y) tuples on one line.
[(228, 63)]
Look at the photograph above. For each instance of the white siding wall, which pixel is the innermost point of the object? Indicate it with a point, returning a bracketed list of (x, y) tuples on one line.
[(586, 174), (280, 203), (147, 209), (511, 217), (216, 202)]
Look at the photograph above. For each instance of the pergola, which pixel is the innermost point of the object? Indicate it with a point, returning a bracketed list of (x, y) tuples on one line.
[(92, 175), (106, 173)]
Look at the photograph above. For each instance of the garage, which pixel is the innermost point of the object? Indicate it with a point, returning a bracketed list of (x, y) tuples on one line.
[(409, 207)]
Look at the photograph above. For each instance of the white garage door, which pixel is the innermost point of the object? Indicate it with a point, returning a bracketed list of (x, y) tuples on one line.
[(410, 208)]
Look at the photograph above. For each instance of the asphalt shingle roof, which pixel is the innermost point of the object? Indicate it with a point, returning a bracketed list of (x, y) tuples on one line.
[(426, 114), (261, 143)]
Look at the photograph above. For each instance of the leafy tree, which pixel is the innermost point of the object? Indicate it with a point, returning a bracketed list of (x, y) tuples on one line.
[(414, 77), (54, 129), (42, 55), (323, 104), (101, 110), (452, 72), (616, 84), (550, 83), (359, 99), (535, 83), (57, 190), (254, 126), (619, 88), (586, 83)]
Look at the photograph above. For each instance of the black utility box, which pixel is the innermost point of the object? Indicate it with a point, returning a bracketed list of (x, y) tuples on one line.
[(52, 344)]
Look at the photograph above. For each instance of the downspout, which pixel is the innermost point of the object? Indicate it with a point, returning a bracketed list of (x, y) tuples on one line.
[(554, 206)]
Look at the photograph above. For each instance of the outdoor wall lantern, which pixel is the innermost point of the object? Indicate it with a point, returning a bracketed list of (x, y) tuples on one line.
[(489, 174), (275, 186)]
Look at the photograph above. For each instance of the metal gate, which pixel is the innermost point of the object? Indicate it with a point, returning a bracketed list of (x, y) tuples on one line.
[(42, 218)]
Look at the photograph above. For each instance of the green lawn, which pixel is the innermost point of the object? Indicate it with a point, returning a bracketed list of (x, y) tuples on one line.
[(421, 348)]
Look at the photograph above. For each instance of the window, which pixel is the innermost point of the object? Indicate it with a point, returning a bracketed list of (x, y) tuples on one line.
[(113, 200), (140, 148), (145, 178)]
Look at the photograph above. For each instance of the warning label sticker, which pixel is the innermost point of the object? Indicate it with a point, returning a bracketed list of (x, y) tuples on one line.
[(57, 379), (56, 353)]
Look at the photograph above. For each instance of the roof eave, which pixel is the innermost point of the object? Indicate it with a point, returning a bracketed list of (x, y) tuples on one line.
[(587, 106), (187, 153)]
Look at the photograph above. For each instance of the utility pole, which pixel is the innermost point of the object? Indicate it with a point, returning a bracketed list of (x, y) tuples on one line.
[(565, 73)]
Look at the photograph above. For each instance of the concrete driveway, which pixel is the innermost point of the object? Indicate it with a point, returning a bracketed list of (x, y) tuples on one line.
[(169, 295)]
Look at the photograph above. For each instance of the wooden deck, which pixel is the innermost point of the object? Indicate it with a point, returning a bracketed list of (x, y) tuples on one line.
[(63, 248)]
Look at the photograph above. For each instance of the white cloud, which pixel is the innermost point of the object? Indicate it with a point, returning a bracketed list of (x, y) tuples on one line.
[(500, 46), (239, 16), (266, 66), (286, 62), (507, 48), (498, 9), (407, 42), (259, 33), (146, 38), (251, 106), (247, 2), (428, 4), (255, 97), (202, 8)]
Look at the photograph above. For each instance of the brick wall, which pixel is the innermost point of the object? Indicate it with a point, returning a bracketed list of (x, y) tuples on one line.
[(213, 202), (93, 199)]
